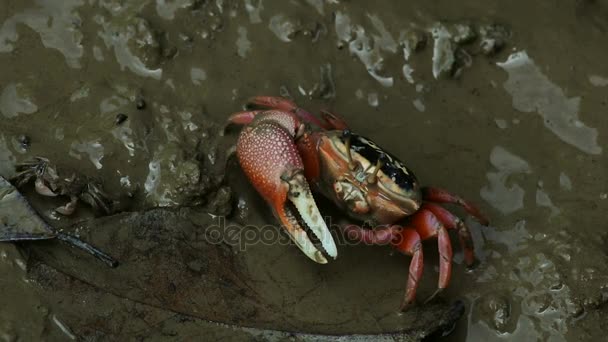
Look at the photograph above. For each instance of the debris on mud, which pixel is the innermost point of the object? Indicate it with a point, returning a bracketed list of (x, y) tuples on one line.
[(453, 44), (493, 38), (51, 181), (136, 46), (19, 222), (452, 50)]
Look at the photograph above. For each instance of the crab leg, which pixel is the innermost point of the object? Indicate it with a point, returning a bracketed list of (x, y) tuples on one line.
[(410, 244), (244, 117), (272, 102), (68, 208), (428, 226), (96, 198), (405, 240), (450, 221), (270, 160), (43, 189), (334, 120), (442, 196)]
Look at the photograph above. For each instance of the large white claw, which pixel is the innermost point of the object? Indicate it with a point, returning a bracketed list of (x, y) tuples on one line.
[(299, 237), (301, 197)]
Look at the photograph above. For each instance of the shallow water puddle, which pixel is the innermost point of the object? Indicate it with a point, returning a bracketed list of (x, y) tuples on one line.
[(12, 104), (56, 21), (368, 50), (532, 91), (502, 193), (7, 159)]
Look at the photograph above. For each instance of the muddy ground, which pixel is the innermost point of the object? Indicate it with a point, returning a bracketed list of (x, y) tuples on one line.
[(516, 124)]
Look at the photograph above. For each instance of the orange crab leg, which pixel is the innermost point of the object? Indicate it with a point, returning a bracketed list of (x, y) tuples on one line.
[(282, 104), (428, 226), (334, 121), (451, 221), (409, 243), (244, 117), (274, 102), (442, 196), (405, 240)]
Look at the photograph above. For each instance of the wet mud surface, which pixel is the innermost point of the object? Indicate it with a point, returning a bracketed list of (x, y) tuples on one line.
[(502, 103)]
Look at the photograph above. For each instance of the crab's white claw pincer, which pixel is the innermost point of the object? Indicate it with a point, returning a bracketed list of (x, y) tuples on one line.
[(300, 196)]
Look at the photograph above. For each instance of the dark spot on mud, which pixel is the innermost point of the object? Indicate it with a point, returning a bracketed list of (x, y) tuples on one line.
[(120, 118), (140, 104), (169, 52), (24, 141), (220, 202)]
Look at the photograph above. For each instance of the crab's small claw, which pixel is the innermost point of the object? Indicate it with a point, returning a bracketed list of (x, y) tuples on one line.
[(269, 157), (43, 189), (68, 208)]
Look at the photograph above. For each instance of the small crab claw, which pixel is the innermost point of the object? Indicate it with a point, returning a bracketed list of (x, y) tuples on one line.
[(43, 189), (270, 160)]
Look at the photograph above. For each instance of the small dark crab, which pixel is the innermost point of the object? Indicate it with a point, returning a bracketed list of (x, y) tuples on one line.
[(48, 182)]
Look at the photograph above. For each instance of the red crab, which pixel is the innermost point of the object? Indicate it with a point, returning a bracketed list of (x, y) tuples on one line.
[(281, 155)]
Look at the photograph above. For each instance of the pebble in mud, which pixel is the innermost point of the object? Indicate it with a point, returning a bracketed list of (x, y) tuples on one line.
[(242, 211)]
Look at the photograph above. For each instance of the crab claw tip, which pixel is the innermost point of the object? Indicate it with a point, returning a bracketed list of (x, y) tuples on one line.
[(300, 195)]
